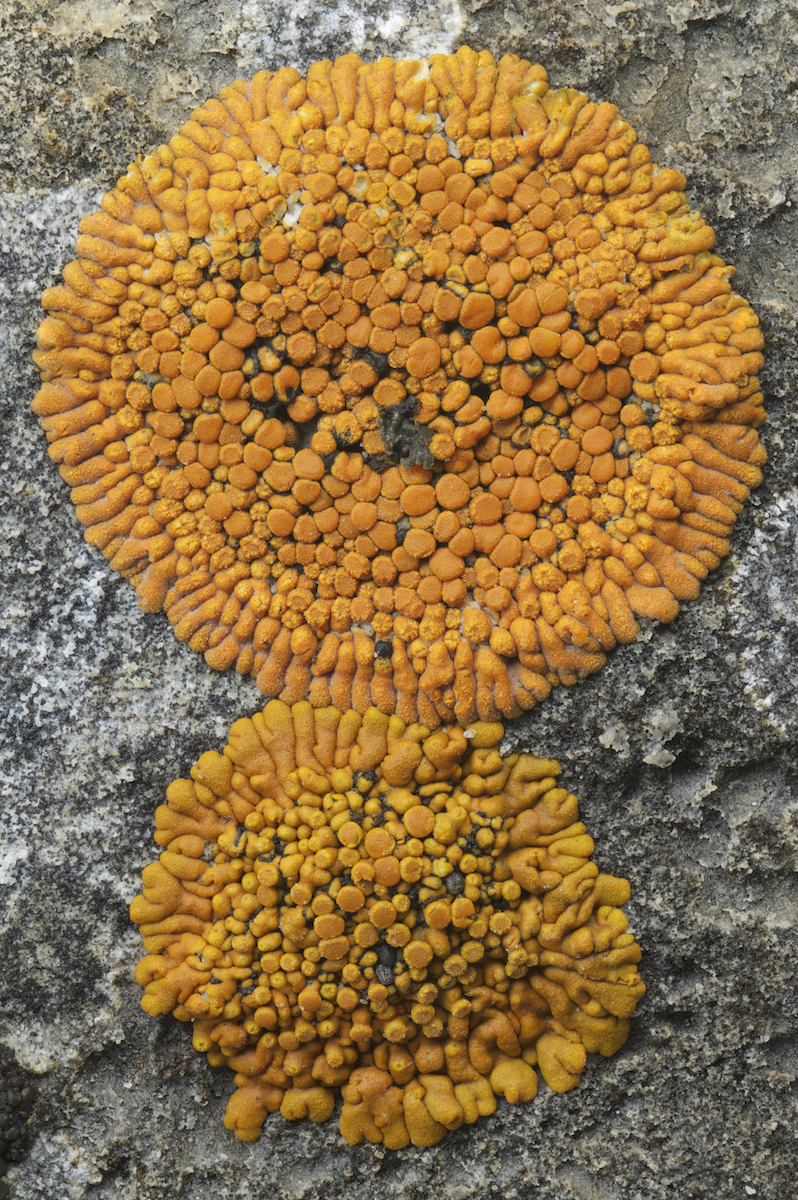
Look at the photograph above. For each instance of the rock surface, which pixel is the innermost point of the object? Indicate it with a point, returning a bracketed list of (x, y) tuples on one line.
[(682, 750)]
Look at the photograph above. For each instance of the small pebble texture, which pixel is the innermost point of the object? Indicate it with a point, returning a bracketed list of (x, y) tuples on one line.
[(682, 749)]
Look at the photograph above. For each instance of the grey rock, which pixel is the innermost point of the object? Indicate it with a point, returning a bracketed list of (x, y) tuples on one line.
[(682, 750)]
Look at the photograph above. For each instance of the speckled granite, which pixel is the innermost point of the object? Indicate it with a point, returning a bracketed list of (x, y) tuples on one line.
[(682, 750)]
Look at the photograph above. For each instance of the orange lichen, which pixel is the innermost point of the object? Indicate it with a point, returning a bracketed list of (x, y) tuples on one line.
[(344, 901), (327, 382)]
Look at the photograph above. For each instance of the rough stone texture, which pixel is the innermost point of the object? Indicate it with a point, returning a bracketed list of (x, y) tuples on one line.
[(682, 750)]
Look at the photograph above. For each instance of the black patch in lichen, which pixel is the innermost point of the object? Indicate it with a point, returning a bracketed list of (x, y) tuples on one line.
[(406, 441)]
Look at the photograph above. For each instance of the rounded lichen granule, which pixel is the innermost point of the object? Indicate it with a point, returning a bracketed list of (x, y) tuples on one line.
[(347, 902), (403, 385)]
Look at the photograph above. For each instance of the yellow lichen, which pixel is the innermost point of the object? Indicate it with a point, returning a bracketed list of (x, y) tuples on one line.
[(344, 901), (386, 417)]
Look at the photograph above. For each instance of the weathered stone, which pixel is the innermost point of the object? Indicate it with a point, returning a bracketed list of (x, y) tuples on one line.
[(682, 750)]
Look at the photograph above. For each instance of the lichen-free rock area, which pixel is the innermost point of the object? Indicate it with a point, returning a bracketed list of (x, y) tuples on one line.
[(681, 750)]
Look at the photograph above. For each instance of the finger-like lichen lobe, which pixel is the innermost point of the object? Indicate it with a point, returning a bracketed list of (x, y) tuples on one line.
[(404, 384), (348, 902)]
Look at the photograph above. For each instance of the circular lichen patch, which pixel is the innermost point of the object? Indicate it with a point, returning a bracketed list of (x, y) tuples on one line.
[(403, 385), (345, 902)]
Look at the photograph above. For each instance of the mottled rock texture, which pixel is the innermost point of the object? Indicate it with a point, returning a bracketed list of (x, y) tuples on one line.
[(681, 750)]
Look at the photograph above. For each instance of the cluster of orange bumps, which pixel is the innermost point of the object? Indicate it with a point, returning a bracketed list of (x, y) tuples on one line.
[(348, 902), (407, 389)]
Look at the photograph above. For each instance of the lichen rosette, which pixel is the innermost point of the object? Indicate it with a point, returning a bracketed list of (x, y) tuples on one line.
[(347, 902), (406, 385)]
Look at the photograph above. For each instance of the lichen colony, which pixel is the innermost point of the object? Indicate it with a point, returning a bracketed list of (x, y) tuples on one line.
[(407, 389), (403, 386), (347, 902)]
